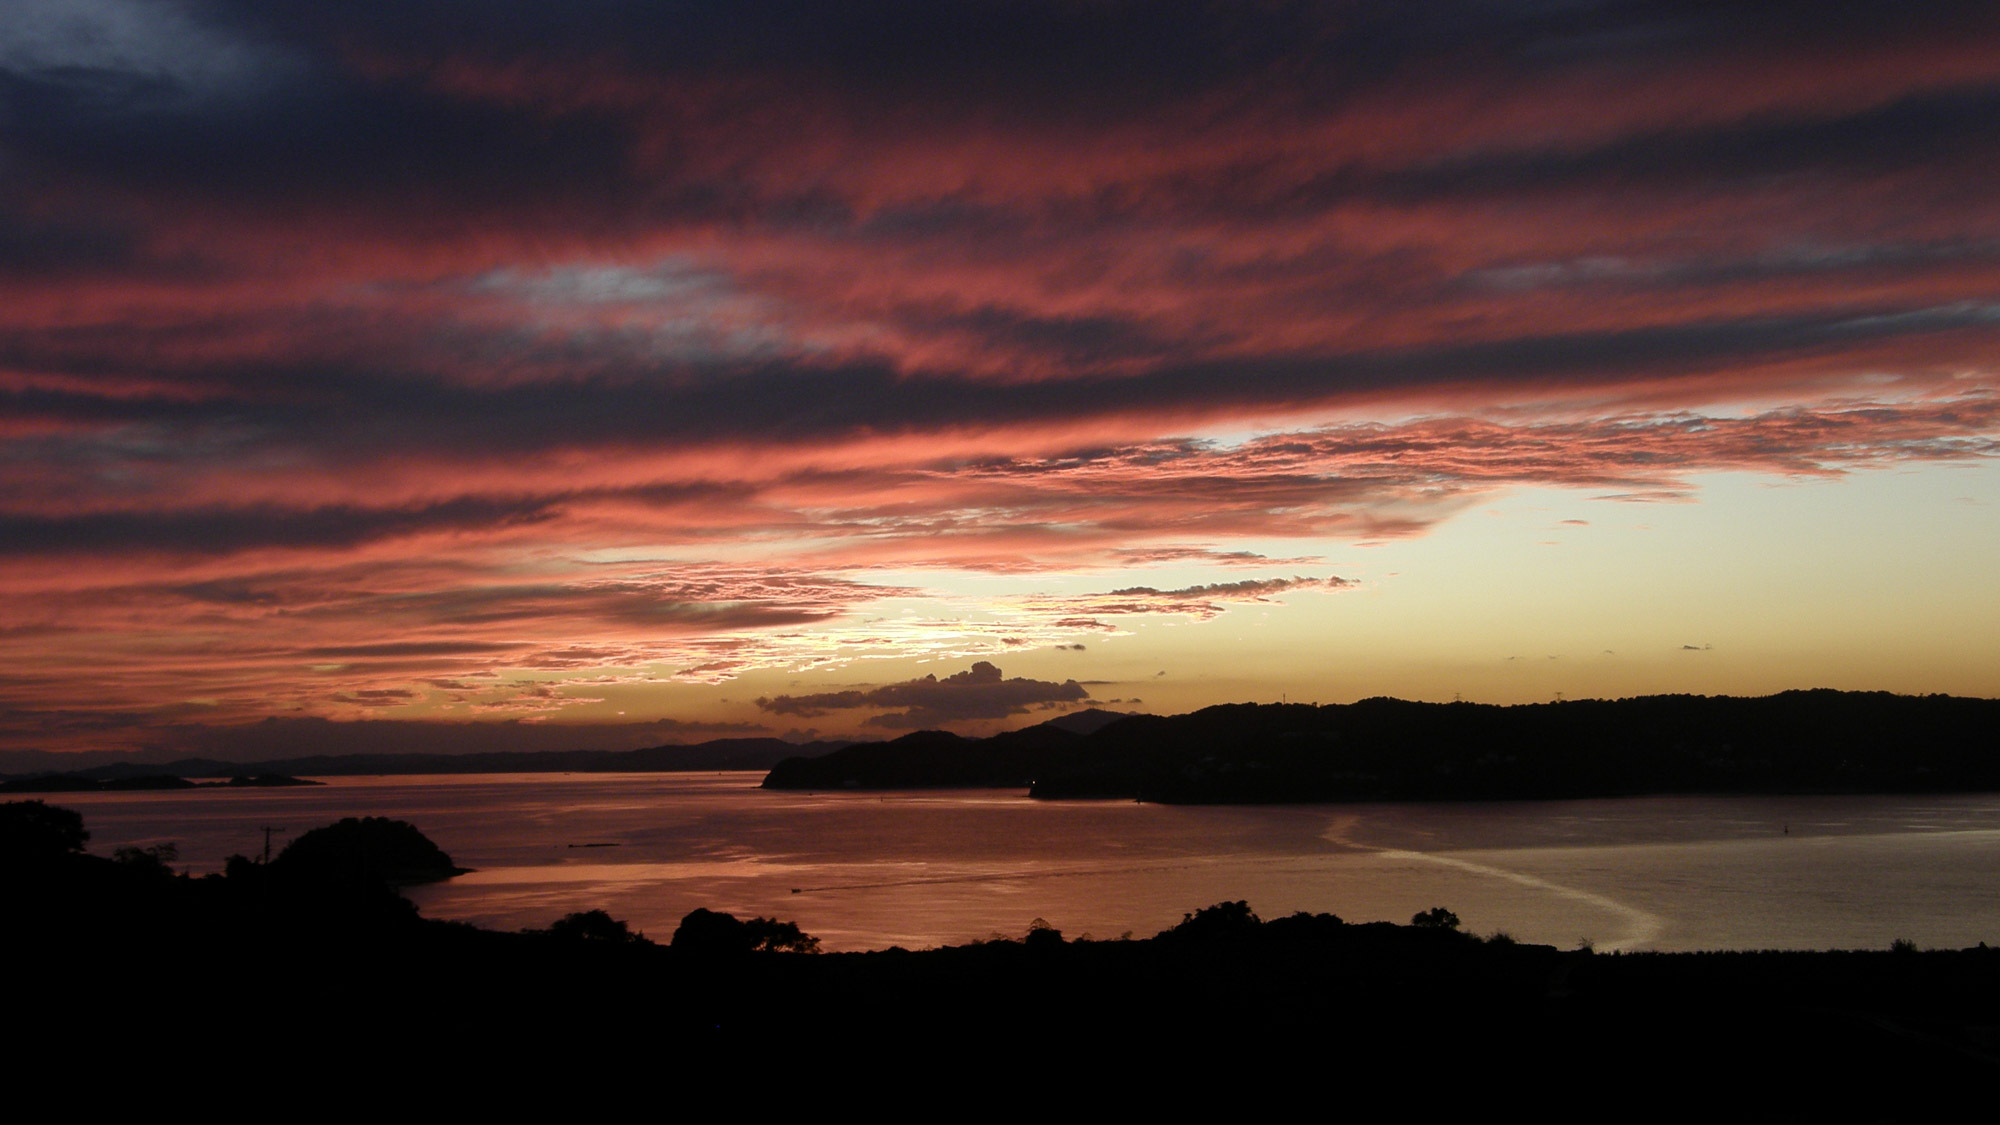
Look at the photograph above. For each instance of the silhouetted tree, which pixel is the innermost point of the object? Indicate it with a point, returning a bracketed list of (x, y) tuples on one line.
[(712, 932), (1223, 920), (1301, 926), (768, 935), (33, 832), (594, 925), (151, 861), (1436, 918), (1042, 934)]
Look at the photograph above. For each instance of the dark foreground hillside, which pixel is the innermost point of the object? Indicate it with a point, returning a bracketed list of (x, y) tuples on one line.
[(323, 971)]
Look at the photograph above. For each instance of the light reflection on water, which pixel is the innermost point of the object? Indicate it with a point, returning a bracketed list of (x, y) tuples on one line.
[(872, 870)]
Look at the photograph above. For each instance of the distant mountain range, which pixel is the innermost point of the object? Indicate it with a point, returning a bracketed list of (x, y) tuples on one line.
[(1389, 749), (716, 754), (1377, 749), (719, 754)]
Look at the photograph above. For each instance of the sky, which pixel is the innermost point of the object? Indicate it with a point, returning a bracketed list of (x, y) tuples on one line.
[(523, 375)]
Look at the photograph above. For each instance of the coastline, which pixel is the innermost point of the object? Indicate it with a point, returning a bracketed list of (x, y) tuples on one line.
[(946, 867), (320, 932)]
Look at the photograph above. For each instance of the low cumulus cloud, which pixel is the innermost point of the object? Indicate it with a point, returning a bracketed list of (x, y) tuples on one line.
[(979, 693)]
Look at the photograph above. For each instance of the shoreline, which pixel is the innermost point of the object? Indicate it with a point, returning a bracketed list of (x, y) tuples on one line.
[(965, 868)]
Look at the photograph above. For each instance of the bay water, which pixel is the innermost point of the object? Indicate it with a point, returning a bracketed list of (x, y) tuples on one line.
[(919, 869)]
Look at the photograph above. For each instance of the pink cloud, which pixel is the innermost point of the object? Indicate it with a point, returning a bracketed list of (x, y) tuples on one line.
[(650, 350)]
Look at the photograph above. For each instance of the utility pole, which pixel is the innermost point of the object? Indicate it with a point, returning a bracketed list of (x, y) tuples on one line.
[(268, 829)]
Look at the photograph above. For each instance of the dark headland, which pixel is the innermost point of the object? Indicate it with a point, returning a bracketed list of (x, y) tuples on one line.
[(312, 967), (1389, 749)]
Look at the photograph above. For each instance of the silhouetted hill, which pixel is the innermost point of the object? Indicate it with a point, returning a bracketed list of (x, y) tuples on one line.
[(930, 759), (936, 759), (1087, 721), (1388, 749), (921, 759), (366, 849)]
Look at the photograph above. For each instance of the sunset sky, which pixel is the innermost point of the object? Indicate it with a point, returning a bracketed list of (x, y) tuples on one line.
[(608, 374)]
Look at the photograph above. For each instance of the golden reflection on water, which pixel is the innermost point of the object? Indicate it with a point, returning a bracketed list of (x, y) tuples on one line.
[(873, 870)]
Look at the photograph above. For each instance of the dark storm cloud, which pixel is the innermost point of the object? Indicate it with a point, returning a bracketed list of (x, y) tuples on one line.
[(356, 414), (356, 119), (309, 127), (238, 529), (1042, 49), (357, 102), (48, 249), (1081, 340), (1951, 128)]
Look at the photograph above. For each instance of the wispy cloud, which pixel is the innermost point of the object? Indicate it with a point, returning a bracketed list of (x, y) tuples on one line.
[(351, 349)]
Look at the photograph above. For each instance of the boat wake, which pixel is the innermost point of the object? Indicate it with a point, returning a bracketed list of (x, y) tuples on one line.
[(1641, 927)]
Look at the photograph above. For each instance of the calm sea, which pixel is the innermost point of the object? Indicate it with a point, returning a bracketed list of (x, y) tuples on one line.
[(867, 871)]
